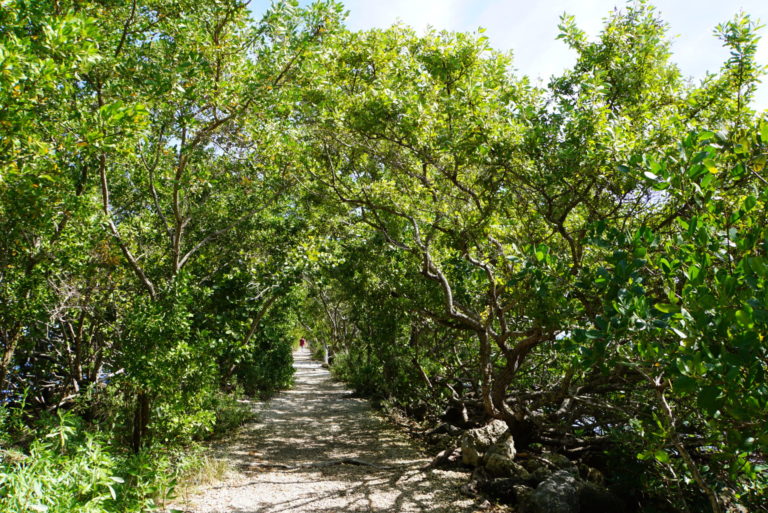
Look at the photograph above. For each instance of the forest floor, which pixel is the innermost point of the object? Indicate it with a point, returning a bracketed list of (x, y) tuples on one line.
[(316, 448)]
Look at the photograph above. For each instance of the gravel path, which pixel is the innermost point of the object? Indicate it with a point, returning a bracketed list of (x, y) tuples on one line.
[(317, 422)]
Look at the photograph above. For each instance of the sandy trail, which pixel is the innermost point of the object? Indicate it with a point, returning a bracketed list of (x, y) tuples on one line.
[(317, 421)]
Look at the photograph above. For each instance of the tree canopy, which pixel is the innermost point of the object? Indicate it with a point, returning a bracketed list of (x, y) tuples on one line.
[(184, 191)]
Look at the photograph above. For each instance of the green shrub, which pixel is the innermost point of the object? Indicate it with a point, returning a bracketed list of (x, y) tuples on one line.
[(365, 377), (266, 368), (231, 412), (71, 470)]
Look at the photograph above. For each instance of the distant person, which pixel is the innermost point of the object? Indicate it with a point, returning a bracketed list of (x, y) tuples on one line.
[(302, 342)]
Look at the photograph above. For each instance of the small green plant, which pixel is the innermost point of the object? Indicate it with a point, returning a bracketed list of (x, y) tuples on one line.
[(69, 469), (65, 470)]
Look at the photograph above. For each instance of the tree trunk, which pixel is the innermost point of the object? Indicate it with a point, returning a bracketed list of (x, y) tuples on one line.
[(10, 349), (140, 422)]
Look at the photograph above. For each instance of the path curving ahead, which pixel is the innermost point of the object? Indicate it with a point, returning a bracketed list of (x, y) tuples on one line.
[(309, 429)]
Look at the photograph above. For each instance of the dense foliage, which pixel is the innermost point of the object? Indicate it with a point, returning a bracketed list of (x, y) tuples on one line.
[(148, 246), (184, 191)]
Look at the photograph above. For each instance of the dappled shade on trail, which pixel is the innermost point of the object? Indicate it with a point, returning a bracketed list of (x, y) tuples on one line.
[(316, 422)]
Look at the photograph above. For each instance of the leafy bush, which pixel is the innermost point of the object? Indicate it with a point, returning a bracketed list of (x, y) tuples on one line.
[(230, 412), (71, 470), (266, 367), (67, 470), (365, 377)]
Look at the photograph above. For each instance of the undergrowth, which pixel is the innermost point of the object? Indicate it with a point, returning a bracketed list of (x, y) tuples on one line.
[(68, 466)]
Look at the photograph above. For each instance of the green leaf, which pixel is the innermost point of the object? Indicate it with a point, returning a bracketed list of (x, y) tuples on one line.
[(667, 308), (709, 399), (758, 266), (661, 456), (685, 384), (743, 317), (695, 171)]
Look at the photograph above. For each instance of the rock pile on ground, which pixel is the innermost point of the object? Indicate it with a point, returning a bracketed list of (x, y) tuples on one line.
[(534, 483)]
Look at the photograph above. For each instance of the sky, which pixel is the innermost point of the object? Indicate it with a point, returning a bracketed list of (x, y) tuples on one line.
[(529, 28)]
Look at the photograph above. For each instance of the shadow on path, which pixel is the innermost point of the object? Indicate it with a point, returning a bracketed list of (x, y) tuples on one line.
[(317, 421)]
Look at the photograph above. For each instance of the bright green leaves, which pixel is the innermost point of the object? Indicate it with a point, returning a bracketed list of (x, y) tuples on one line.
[(41, 58), (659, 455), (400, 187), (148, 144), (706, 278), (115, 112), (745, 317), (704, 273), (710, 165), (667, 308), (570, 33)]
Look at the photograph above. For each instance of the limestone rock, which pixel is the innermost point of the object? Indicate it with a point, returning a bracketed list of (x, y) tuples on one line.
[(522, 493), (506, 490), (469, 454), (498, 458), (498, 465), (476, 441), (539, 475), (540, 467), (558, 461), (504, 446), (532, 464), (559, 493)]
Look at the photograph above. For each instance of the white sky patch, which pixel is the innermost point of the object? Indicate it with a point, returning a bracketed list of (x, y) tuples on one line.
[(529, 28), (365, 14)]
